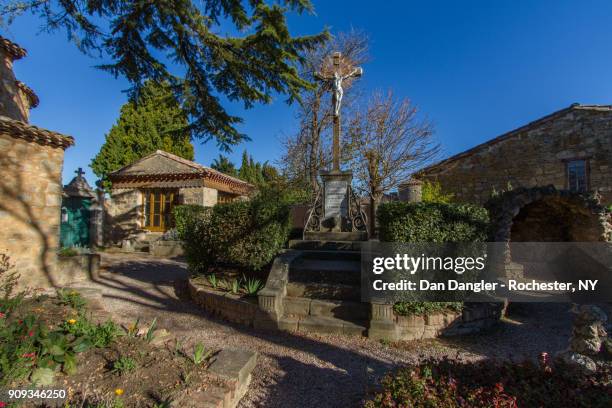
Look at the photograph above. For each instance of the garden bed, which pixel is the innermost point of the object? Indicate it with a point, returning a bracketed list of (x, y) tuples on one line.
[(448, 383), (55, 342), (234, 307)]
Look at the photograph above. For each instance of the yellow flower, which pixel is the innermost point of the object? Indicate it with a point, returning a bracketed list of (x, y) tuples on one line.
[(72, 321), (119, 391)]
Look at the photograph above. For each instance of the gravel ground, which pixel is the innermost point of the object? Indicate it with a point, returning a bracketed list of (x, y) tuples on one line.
[(308, 370)]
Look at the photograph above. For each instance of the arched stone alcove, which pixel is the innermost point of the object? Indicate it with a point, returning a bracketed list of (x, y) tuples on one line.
[(545, 214)]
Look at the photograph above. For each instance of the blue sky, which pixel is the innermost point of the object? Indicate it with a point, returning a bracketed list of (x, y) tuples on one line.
[(475, 68)]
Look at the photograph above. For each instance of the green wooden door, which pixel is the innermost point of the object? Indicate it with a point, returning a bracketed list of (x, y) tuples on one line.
[(74, 229)]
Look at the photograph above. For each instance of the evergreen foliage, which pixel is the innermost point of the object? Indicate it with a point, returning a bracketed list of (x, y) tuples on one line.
[(256, 173), (224, 165), (178, 41), (247, 234), (432, 222), (150, 122)]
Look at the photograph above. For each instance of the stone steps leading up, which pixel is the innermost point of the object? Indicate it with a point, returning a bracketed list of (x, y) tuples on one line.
[(328, 271), (340, 309), (315, 290), (310, 245)]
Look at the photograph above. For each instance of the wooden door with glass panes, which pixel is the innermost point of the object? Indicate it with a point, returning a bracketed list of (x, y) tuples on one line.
[(158, 204)]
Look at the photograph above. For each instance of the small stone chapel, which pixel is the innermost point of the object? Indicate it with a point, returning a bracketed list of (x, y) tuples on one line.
[(145, 192)]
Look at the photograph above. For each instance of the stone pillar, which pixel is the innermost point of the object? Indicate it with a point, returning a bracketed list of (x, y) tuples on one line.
[(411, 191), (97, 219), (382, 323)]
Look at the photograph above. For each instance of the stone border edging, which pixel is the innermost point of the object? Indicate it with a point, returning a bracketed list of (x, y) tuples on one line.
[(234, 366), (385, 324), (270, 298), (224, 304)]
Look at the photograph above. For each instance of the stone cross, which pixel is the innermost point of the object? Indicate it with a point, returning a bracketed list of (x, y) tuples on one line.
[(334, 79), (79, 172)]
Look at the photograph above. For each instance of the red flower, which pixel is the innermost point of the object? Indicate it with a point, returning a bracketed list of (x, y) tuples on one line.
[(499, 387), (31, 333), (29, 355), (1, 316), (2, 404)]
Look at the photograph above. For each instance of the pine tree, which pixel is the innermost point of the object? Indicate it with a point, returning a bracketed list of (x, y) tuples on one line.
[(152, 121), (224, 165), (256, 173), (178, 41)]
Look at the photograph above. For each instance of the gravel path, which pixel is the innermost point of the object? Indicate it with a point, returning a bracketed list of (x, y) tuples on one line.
[(308, 370)]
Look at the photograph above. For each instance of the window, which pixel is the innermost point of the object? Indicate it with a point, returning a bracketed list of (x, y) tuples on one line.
[(223, 197), (158, 205), (577, 176)]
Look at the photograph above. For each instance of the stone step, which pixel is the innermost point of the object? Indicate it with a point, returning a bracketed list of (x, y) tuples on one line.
[(315, 290), (341, 309), (325, 245), (323, 325), (332, 255), (325, 271)]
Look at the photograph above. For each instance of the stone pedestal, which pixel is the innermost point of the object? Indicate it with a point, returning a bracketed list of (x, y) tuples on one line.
[(336, 214)]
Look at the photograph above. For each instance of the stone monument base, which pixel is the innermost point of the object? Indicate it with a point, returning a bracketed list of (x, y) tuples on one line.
[(336, 214), (335, 236)]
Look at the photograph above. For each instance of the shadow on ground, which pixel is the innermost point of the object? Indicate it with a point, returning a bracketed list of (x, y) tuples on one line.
[(307, 370)]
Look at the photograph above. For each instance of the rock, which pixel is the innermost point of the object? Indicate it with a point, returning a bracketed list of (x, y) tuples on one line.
[(591, 313), (590, 346), (577, 361), (607, 348)]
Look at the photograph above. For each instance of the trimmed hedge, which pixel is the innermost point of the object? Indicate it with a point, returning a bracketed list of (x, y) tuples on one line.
[(432, 222), (247, 234), (185, 215)]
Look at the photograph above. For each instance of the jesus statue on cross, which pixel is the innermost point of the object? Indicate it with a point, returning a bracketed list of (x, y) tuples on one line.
[(334, 79)]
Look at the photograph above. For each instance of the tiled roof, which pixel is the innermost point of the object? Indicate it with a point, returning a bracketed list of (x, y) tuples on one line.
[(441, 164), (148, 167), (34, 101), (12, 49), (22, 130)]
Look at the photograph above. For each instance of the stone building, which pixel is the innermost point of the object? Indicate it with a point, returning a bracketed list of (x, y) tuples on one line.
[(144, 193), (31, 160), (570, 149), (547, 181)]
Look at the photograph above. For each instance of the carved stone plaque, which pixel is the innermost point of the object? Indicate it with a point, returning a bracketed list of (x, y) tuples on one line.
[(336, 198)]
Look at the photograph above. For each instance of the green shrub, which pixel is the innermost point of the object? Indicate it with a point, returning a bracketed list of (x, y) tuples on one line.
[(10, 298), (488, 383), (425, 308), (432, 222), (246, 234), (184, 215), (431, 192)]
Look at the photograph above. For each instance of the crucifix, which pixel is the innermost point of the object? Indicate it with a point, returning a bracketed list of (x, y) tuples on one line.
[(79, 172), (334, 80)]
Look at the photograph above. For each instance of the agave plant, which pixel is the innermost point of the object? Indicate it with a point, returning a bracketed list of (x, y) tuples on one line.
[(251, 286), (235, 286), (213, 280)]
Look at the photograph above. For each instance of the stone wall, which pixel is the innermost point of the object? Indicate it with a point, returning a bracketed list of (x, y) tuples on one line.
[(204, 196), (534, 156), (13, 101), (30, 202), (124, 214)]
